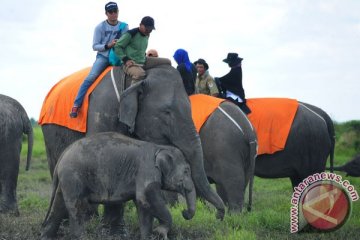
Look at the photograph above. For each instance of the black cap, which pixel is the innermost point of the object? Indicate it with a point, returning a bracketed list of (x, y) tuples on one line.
[(111, 6), (202, 62), (148, 22)]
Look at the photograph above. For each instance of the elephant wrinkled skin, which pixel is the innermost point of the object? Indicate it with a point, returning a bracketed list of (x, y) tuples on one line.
[(14, 122), (111, 168), (156, 109)]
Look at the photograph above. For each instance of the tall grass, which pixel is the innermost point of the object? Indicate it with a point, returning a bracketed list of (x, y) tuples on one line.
[(269, 219)]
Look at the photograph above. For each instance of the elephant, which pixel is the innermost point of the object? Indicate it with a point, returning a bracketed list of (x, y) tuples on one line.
[(310, 142), (111, 168), (156, 109), (227, 150), (14, 122), (351, 168), (230, 148)]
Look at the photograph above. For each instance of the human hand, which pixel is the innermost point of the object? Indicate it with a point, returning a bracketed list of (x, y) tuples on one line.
[(112, 43), (129, 63)]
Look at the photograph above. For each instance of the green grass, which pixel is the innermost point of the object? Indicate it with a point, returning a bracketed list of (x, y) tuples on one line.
[(269, 218)]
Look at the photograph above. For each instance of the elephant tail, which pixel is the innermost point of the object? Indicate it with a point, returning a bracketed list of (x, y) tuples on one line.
[(28, 130), (54, 190), (253, 154), (331, 131)]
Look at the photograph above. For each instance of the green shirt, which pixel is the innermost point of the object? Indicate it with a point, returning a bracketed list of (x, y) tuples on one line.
[(205, 84), (132, 45)]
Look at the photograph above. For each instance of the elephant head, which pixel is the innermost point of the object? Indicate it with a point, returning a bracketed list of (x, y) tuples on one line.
[(176, 176), (158, 110)]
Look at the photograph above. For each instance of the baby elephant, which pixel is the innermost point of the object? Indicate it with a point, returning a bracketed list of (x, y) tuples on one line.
[(110, 169)]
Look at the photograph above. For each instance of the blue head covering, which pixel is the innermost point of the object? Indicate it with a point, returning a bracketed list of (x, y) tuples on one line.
[(181, 56)]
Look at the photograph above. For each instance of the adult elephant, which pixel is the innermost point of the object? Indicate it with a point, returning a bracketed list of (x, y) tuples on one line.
[(230, 146), (14, 122), (156, 109), (310, 142)]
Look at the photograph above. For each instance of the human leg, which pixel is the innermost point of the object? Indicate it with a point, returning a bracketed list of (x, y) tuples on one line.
[(136, 72), (98, 67)]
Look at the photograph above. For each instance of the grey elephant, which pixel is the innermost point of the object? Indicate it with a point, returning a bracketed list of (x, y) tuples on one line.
[(156, 109), (14, 122), (230, 147), (351, 168), (111, 168), (310, 142), (227, 150)]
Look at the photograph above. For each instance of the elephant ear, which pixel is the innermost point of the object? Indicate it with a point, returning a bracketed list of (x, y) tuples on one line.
[(129, 101), (163, 162)]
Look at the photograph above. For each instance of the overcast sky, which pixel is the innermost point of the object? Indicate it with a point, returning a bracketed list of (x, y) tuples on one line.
[(303, 49)]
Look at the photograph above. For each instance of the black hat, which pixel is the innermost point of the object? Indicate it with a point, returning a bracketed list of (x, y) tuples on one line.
[(232, 58), (111, 6), (148, 22), (202, 62)]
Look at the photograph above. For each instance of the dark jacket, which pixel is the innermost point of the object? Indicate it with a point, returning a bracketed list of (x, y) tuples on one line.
[(233, 82), (188, 78)]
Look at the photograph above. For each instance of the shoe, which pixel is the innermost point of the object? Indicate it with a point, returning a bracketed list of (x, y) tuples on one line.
[(74, 112)]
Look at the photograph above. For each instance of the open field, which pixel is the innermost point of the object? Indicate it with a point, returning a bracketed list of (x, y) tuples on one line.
[(269, 219)]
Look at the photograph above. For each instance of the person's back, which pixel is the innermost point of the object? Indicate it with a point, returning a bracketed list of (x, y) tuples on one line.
[(186, 69), (205, 83), (231, 83)]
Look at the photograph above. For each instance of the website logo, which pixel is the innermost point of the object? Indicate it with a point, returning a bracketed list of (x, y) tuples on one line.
[(323, 201)]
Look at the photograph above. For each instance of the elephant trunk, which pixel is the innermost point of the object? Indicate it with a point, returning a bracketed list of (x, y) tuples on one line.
[(194, 155), (190, 197)]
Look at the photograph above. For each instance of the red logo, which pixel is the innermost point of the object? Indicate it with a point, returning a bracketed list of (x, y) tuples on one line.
[(326, 206)]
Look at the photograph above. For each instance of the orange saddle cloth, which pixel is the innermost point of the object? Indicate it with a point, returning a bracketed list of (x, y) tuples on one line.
[(59, 101), (272, 119), (201, 107)]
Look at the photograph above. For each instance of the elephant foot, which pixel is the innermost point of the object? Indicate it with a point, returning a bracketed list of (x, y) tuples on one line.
[(11, 209), (115, 230), (162, 231), (220, 214)]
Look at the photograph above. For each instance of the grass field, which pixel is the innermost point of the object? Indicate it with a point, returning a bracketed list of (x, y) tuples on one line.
[(269, 219)]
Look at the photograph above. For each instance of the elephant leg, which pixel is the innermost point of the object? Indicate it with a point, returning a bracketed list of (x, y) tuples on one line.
[(8, 201), (77, 217), (159, 210), (295, 180), (233, 192), (114, 219), (145, 221), (221, 191)]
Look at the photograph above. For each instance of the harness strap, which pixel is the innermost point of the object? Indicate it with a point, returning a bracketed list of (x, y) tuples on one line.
[(231, 119), (121, 82)]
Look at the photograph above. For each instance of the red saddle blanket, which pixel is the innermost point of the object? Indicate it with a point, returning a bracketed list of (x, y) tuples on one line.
[(60, 99), (272, 119)]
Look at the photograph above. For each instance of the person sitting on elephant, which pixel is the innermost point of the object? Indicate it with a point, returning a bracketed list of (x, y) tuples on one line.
[(112, 169), (205, 83), (231, 84), (104, 39), (186, 69), (131, 49)]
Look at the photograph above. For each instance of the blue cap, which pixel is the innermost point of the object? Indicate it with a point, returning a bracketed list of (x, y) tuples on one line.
[(111, 6)]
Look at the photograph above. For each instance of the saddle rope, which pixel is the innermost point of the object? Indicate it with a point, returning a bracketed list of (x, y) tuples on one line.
[(122, 83)]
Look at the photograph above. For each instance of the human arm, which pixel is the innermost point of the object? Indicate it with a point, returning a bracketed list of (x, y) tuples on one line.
[(99, 33), (120, 47)]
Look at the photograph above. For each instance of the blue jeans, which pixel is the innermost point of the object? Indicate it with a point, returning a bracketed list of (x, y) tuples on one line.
[(98, 67)]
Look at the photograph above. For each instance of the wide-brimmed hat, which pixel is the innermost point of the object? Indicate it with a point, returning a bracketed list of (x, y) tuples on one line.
[(232, 58), (202, 62)]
